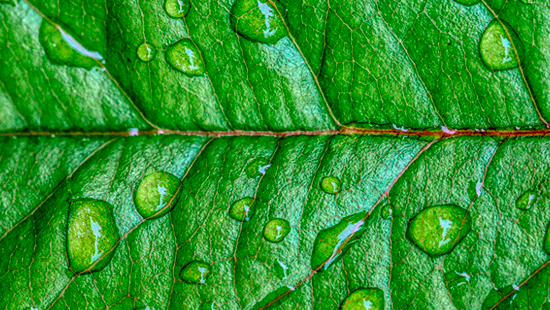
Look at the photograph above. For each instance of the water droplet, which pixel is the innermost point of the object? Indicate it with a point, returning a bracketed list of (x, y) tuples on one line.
[(495, 296), (257, 167), (282, 270), (258, 21), (177, 8), (474, 189), (276, 230), (437, 230), (331, 185), (527, 200), (195, 272), (242, 210), (275, 298), (497, 50), (133, 132), (146, 52), (91, 236), (364, 299), (62, 49), (154, 194), (186, 57), (331, 243), (386, 211)]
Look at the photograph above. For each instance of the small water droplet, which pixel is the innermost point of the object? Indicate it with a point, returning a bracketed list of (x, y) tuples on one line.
[(497, 50), (146, 52), (257, 167), (474, 189), (331, 185), (196, 272), (91, 236), (242, 210), (364, 299), (133, 132), (527, 200), (186, 57), (331, 243), (276, 230), (154, 193), (386, 211), (437, 230), (495, 296), (258, 21), (282, 270), (177, 8), (448, 131)]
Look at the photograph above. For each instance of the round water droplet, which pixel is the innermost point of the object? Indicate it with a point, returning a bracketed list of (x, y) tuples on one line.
[(331, 185), (146, 52), (257, 167), (186, 57), (386, 211), (155, 194), (196, 272), (364, 298), (258, 21), (437, 230), (276, 230), (242, 210), (527, 200), (91, 236), (177, 8), (497, 46)]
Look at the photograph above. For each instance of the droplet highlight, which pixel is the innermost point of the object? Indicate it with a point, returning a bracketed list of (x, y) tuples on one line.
[(386, 212), (527, 200), (497, 46), (258, 21), (146, 52), (364, 299), (331, 185), (91, 236), (257, 167), (196, 272), (276, 230), (186, 57), (437, 230), (242, 210), (177, 8), (155, 194)]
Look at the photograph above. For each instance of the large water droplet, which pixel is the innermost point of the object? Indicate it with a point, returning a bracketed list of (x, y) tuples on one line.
[(497, 50), (186, 57), (195, 272), (177, 8), (276, 230), (331, 185), (386, 211), (331, 243), (91, 236), (437, 230), (527, 200), (258, 21), (257, 167), (242, 210), (155, 194), (146, 52), (364, 299), (62, 49)]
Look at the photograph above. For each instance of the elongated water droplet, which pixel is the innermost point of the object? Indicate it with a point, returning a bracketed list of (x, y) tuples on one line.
[(437, 230), (62, 49), (274, 299), (257, 167), (91, 236), (497, 46), (364, 299), (242, 210), (258, 21), (495, 296), (177, 8), (155, 194), (186, 57), (282, 270), (196, 272), (474, 189), (146, 52), (331, 185), (331, 243), (527, 200), (276, 230), (386, 212)]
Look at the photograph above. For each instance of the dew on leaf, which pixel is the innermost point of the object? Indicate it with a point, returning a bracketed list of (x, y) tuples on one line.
[(177, 8), (497, 50), (526, 200), (474, 189), (241, 210), (146, 52), (154, 194), (62, 49), (195, 272), (282, 270), (91, 236), (495, 295), (257, 167), (331, 243), (331, 185), (258, 21), (276, 230), (186, 57), (386, 212), (364, 299), (274, 299), (437, 230)]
